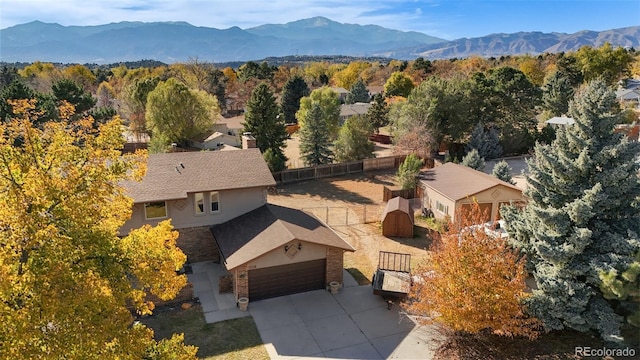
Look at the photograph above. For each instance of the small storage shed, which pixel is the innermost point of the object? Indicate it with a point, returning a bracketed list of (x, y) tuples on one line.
[(397, 218)]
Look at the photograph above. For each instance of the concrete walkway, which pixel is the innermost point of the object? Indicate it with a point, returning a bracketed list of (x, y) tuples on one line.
[(353, 324), (215, 306)]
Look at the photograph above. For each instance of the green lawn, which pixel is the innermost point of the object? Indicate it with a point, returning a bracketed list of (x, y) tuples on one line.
[(231, 339)]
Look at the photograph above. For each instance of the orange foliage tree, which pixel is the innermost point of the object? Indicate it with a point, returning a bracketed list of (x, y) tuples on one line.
[(472, 282)]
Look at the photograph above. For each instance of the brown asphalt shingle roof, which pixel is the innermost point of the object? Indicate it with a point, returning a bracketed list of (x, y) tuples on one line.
[(268, 227), (398, 203), (457, 182), (166, 179)]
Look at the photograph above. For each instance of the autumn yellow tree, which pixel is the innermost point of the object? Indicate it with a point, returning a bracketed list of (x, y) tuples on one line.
[(68, 282), (472, 282), (349, 75)]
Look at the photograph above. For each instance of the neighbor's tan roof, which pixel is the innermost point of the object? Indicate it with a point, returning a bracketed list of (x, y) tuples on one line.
[(398, 203), (457, 182), (166, 179), (268, 227), (232, 122)]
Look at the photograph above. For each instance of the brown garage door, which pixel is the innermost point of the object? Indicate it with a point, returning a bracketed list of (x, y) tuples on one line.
[(485, 209), (286, 279)]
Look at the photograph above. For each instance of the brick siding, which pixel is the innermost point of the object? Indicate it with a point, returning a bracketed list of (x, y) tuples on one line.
[(335, 265), (198, 244), (241, 282)]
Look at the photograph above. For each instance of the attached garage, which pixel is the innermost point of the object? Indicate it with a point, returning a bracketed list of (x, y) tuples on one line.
[(287, 279), (397, 218), (274, 251)]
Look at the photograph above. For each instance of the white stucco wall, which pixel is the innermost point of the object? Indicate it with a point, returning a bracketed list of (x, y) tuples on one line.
[(233, 203)]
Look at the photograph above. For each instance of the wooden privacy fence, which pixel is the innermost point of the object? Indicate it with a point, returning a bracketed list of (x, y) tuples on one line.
[(331, 170), (346, 215), (389, 192)]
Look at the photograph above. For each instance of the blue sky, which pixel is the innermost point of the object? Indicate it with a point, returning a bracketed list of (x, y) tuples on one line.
[(448, 19)]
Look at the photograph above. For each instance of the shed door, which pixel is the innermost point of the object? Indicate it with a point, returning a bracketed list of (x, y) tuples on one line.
[(286, 279), (392, 223), (485, 208)]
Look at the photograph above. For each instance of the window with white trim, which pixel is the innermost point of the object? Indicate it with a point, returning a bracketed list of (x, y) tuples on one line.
[(199, 203), (442, 208), (155, 210), (215, 201)]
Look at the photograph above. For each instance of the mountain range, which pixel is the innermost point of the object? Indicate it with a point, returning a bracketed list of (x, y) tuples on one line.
[(179, 41)]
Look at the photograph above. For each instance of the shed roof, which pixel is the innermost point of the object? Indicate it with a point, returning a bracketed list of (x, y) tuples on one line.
[(398, 204), (268, 227), (457, 182), (173, 175), (560, 120)]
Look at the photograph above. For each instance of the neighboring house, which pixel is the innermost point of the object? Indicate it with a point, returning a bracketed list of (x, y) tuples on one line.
[(274, 251), (196, 190), (230, 126), (630, 84), (628, 96), (217, 201), (342, 93), (450, 188), (375, 90), (215, 141), (349, 110)]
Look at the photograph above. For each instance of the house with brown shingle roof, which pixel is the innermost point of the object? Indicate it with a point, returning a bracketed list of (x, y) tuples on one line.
[(197, 190), (217, 201), (450, 188), (274, 251)]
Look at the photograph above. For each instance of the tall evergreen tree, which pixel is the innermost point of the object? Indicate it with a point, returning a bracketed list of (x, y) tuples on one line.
[(408, 171), (556, 94), (503, 171), (263, 120), (582, 218), (315, 145), (68, 90), (276, 161), (485, 141), (353, 140), (378, 113), (7, 75), (473, 160), (294, 90), (357, 93), (18, 90), (569, 67)]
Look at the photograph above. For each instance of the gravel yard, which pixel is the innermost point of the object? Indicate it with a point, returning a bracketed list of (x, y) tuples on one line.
[(355, 192)]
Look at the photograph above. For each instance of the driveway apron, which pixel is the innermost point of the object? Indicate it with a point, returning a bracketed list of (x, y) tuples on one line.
[(353, 324)]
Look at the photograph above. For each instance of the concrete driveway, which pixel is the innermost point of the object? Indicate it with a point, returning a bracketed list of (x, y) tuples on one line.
[(353, 324)]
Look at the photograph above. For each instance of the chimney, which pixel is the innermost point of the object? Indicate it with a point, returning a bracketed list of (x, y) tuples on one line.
[(248, 141)]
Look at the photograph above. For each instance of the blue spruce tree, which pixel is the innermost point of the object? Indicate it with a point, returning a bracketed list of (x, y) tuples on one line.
[(582, 219)]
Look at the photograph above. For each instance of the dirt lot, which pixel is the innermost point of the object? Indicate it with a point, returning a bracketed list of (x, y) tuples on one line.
[(352, 206), (292, 151)]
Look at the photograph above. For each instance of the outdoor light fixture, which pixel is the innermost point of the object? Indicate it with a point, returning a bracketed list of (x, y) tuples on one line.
[(287, 247)]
